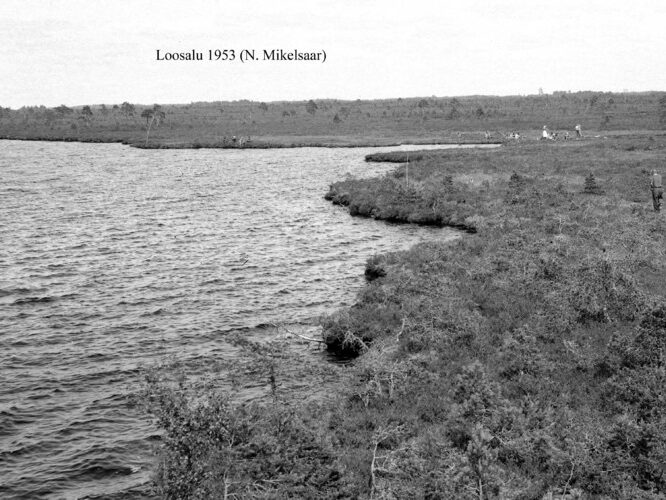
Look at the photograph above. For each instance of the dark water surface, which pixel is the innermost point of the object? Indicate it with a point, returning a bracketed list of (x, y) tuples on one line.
[(113, 258)]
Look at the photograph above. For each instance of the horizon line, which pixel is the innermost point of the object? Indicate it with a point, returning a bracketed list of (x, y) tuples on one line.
[(628, 92)]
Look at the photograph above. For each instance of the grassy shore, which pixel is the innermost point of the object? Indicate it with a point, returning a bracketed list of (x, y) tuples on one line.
[(524, 360), (529, 357)]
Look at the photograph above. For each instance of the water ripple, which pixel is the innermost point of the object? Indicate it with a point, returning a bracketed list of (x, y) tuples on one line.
[(114, 258)]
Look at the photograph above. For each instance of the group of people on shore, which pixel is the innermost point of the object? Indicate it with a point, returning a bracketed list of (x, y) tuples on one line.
[(546, 134)]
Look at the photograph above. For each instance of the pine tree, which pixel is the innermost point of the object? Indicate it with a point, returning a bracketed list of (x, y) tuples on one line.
[(591, 186)]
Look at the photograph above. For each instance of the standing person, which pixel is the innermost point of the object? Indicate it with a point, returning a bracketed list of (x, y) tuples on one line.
[(657, 190), (544, 133), (579, 132)]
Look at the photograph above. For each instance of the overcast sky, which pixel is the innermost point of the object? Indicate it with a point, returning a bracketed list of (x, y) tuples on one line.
[(91, 52)]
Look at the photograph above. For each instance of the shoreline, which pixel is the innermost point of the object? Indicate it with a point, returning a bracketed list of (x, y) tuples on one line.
[(371, 212), (252, 145)]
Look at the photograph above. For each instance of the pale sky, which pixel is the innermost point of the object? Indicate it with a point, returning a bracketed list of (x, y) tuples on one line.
[(91, 52)]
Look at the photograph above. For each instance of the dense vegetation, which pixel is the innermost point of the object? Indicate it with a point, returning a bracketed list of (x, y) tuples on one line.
[(334, 122), (522, 361)]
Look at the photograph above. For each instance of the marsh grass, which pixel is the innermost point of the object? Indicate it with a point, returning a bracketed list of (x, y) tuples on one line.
[(527, 341), (525, 360)]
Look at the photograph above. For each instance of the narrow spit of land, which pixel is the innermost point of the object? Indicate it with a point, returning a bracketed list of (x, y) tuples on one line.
[(525, 360)]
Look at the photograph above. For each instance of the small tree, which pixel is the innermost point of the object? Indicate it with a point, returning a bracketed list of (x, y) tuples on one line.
[(591, 185), (63, 110), (311, 107), (86, 114), (147, 114), (153, 116), (127, 109)]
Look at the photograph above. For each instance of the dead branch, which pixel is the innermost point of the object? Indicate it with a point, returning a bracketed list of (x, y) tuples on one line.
[(277, 327)]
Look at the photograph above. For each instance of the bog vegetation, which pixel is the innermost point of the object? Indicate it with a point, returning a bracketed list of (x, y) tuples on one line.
[(526, 360), (334, 122)]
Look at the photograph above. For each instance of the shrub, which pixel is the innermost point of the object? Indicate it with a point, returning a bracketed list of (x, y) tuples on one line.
[(374, 269), (591, 186), (215, 448)]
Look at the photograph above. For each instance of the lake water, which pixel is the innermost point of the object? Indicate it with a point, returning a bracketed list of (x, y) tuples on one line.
[(114, 258)]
